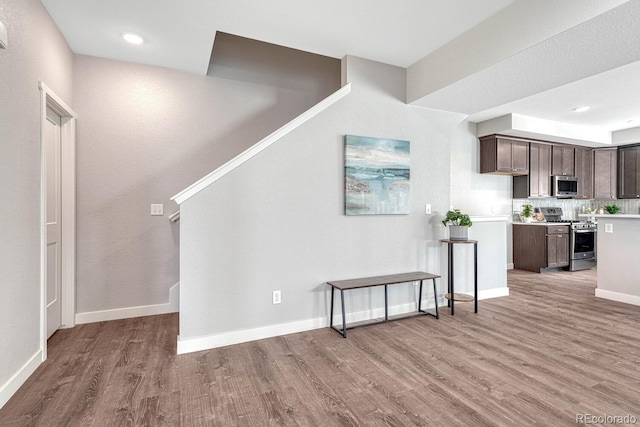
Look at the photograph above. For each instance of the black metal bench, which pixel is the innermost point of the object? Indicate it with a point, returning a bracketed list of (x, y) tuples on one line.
[(368, 282)]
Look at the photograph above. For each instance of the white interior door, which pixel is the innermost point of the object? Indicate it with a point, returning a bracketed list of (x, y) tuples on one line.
[(52, 156)]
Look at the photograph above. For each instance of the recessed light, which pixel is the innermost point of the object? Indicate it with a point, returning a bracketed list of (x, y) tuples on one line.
[(133, 38), (581, 109)]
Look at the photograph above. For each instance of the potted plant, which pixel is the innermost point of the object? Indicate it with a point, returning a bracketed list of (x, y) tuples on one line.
[(458, 224), (527, 212), (612, 209)]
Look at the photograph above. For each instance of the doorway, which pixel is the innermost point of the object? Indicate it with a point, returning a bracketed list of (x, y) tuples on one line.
[(57, 266)]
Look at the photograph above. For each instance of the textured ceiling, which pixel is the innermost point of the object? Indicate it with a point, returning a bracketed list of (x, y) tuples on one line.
[(180, 34), (594, 63), (586, 59)]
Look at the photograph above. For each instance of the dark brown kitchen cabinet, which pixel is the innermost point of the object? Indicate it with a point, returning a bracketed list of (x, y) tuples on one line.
[(504, 156), (538, 247), (629, 172), (584, 172), (605, 173), (557, 247), (538, 182), (562, 162)]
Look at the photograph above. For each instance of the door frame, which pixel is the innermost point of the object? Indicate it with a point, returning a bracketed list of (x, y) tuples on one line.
[(68, 212)]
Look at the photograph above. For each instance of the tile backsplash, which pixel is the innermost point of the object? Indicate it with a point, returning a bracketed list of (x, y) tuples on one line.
[(571, 208)]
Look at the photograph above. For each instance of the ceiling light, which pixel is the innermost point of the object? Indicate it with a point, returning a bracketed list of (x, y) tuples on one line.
[(581, 109), (133, 38)]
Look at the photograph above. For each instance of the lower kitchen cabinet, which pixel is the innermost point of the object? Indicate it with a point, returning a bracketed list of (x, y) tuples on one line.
[(558, 249), (537, 247)]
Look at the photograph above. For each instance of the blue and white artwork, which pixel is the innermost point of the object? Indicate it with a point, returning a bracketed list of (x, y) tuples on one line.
[(376, 176)]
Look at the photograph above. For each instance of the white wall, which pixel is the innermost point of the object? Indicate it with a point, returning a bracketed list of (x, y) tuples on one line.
[(472, 192), (37, 51), (145, 133), (277, 222), (618, 267)]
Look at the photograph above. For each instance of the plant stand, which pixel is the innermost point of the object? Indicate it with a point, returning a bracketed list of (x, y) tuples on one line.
[(451, 295)]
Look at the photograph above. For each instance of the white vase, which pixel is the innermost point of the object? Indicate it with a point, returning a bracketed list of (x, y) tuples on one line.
[(458, 232)]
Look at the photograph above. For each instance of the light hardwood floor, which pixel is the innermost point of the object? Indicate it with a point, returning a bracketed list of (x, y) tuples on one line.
[(547, 352)]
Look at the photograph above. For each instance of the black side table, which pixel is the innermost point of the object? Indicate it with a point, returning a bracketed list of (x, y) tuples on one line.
[(451, 295)]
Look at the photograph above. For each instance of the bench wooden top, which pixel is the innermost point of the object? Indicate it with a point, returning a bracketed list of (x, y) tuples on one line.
[(367, 282)]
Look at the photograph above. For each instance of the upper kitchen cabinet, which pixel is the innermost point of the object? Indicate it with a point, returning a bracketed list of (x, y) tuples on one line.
[(538, 182), (584, 172), (504, 155), (604, 173), (562, 162), (629, 172)]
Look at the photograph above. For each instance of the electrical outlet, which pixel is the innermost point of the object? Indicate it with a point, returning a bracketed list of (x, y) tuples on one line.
[(157, 210), (427, 209), (277, 297), (608, 228)]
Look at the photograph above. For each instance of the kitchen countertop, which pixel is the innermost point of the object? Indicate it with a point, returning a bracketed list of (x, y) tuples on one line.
[(488, 218), (541, 223), (610, 216)]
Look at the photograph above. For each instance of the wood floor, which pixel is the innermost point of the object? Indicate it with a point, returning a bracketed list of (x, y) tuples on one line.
[(546, 353)]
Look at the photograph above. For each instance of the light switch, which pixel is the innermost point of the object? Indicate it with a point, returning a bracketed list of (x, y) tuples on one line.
[(157, 210), (427, 209), (608, 228)]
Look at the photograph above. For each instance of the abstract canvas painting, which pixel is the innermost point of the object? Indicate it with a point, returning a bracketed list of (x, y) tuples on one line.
[(376, 176)]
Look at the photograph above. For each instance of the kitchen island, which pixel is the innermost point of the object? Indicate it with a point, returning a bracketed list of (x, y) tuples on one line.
[(618, 252), (540, 246)]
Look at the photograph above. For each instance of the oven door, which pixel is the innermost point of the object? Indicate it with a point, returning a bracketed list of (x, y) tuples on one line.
[(584, 244)]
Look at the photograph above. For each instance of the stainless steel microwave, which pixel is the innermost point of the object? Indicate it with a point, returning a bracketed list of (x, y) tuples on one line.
[(564, 186)]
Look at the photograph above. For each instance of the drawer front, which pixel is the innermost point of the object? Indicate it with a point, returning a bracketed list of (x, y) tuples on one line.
[(557, 229)]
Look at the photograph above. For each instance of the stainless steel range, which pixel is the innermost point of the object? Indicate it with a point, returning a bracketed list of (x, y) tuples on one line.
[(582, 239)]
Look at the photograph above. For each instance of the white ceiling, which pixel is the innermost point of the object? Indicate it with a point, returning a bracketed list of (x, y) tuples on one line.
[(180, 35), (614, 98)]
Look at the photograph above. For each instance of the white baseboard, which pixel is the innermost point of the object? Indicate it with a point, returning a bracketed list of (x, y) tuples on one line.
[(221, 340), (510, 266), (189, 345), (616, 296), (237, 337), (172, 306), (9, 388), (493, 293)]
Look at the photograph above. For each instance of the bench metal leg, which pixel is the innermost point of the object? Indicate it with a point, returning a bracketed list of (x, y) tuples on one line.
[(386, 305), (342, 332), (435, 298), (331, 312)]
